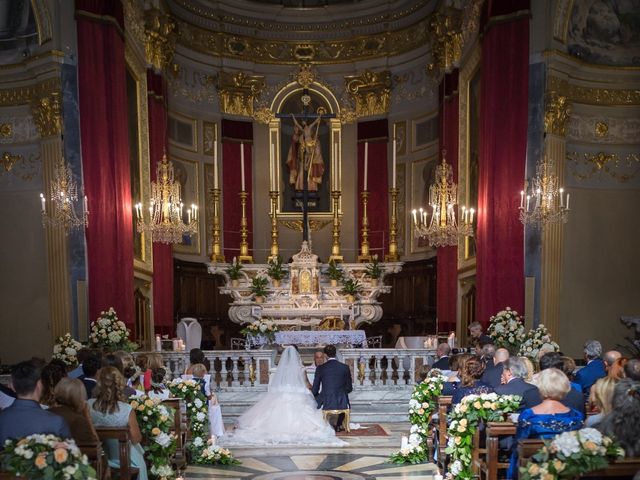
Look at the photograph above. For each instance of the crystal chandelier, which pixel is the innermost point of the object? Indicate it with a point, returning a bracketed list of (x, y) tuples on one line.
[(443, 230), (544, 202), (165, 218), (64, 196)]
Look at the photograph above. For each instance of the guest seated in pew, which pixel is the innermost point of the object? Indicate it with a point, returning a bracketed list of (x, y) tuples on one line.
[(573, 399), (25, 416), (493, 373), (452, 382), (52, 373), (609, 358), (70, 399), (594, 369), (158, 389), (550, 417), (196, 356), (513, 383), (90, 367), (632, 369), (569, 369), (7, 396), (487, 352), (121, 359), (442, 353), (107, 410), (531, 370), (142, 382), (600, 399), (623, 421), (616, 370), (470, 382)]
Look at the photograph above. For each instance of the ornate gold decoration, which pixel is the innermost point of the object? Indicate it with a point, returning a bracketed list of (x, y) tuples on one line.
[(594, 95), (364, 256), (336, 256), (584, 166), (8, 161), (263, 115), (65, 211), (6, 130), (305, 76), (393, 255), (159, 38), (314, 225), (259, 50), (237, 91), (347, 115), (216, 254), (275, 249), (371, 92), (47, 113), (447, 41), (546, 202), (556, 113), (27, 93), (244, 256), (602, 129), (43, 20)]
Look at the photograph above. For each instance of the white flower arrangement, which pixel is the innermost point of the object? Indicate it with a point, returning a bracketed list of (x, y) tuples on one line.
[(66, 349), (214, 454), (507, 330), (109, 333), (197, 409), (538, 340), (260, 327)]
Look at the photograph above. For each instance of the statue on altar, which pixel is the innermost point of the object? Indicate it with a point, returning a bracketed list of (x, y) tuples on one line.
[(305, 155)]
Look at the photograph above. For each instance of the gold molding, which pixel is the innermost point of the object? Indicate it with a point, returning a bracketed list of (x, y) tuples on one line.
[(27, 93), (43, 20), (159, 38), (371, 92), (6, 130), (7, 160), (47, 114), (594, 95), (447, 42), (258, 50), (584, 166), (237, 92), (314, 225), (556, 113)]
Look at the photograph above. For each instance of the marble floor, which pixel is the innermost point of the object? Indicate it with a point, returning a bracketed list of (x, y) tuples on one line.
[(365, 458)]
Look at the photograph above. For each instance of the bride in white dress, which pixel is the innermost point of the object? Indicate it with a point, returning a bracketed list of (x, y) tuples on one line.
[(286, 415)]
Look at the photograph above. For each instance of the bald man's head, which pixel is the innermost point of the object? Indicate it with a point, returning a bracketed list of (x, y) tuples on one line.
[(501, 355), (610, 357)]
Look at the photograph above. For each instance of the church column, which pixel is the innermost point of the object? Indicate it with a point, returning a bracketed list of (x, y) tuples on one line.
[(105, 157), (556, 117), (503, 143), (47, 113)]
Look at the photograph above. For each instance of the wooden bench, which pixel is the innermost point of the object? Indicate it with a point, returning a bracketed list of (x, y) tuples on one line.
[(179, 429), (440, 429), (123, 437), (488, 466), (97, 458)]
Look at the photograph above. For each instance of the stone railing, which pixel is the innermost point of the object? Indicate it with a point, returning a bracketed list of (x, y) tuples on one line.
[(373, 368)]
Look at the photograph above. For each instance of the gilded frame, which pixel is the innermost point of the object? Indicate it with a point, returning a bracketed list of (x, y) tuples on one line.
[(193, 147), (138, 71), (184, 171)]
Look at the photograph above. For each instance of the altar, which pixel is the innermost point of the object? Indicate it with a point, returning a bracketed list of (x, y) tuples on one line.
[(350, 338)]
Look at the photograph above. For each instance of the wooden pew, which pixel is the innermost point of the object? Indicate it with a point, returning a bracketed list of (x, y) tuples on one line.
[(122, 436), (180, 430), (440, 430), (488, 466), (97, 459)]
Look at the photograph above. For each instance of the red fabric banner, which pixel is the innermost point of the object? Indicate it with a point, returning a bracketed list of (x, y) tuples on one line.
[(503, 143), (105, 158), (376, 133), (447, 257), (233, 133), (162, 253)]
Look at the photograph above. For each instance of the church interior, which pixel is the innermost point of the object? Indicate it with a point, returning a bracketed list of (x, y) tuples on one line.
[(380, 175)]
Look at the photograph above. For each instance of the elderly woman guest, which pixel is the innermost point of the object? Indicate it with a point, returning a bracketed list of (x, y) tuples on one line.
[(550, 417), (601, 397), (108, 410), (70, 398), (530, 369), (470, 383)]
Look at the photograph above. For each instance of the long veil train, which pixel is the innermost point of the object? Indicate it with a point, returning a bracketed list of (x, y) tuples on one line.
[(286, 415)]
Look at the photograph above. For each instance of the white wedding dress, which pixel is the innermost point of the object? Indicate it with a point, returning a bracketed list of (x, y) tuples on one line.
[(286, 415)]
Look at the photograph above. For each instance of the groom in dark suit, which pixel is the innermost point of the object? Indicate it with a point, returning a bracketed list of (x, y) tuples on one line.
[(332, 384)]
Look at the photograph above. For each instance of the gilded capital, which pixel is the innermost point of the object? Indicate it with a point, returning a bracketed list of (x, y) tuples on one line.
[(371, 92), (6, 130), (237, 92), (447, 40), (556, 113), (47, 114), (159, 38)]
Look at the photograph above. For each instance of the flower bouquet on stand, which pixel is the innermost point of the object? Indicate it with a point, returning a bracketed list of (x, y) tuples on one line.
[(214, 454), (66, 349), (45, 457), (538, 339), (260, 328), (110, 334), (506, 330)]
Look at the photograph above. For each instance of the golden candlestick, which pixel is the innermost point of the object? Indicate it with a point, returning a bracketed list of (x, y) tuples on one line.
[(244, 256), (275, 249), (393, 256), (335, 248), (216, 253), (364, 256)]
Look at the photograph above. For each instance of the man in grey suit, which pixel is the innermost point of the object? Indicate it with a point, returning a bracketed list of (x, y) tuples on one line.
[(25, 416), (513, 383), (332, 385)]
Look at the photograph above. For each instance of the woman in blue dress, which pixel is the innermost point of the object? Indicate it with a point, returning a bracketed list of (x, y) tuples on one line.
[(547, 419), (470, 383)]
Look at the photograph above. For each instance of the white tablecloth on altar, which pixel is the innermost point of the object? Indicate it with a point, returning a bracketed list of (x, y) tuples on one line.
[(313, 337)]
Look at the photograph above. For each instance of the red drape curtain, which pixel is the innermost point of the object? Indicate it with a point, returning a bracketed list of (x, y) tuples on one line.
[(447, 261), (105, 157), (162, 254), (375, 132), (233, 133), (503, 143)]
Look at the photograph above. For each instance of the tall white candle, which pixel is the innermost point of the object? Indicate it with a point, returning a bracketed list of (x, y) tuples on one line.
[(568, 195), (273, 167), (366, 164), (335, 166), (522, 199), (158, 344), (393, 163), (415, 219), (561, 197), (42, 201), (528, 199), (242, 166), (215, 164)]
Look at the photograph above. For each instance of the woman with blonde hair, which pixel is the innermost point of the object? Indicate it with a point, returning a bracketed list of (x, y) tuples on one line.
[(70, 398), (600, 398), (531, 370), (108, 409)]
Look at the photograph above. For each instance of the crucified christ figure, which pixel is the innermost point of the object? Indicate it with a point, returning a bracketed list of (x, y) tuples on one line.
[(305, 156)]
